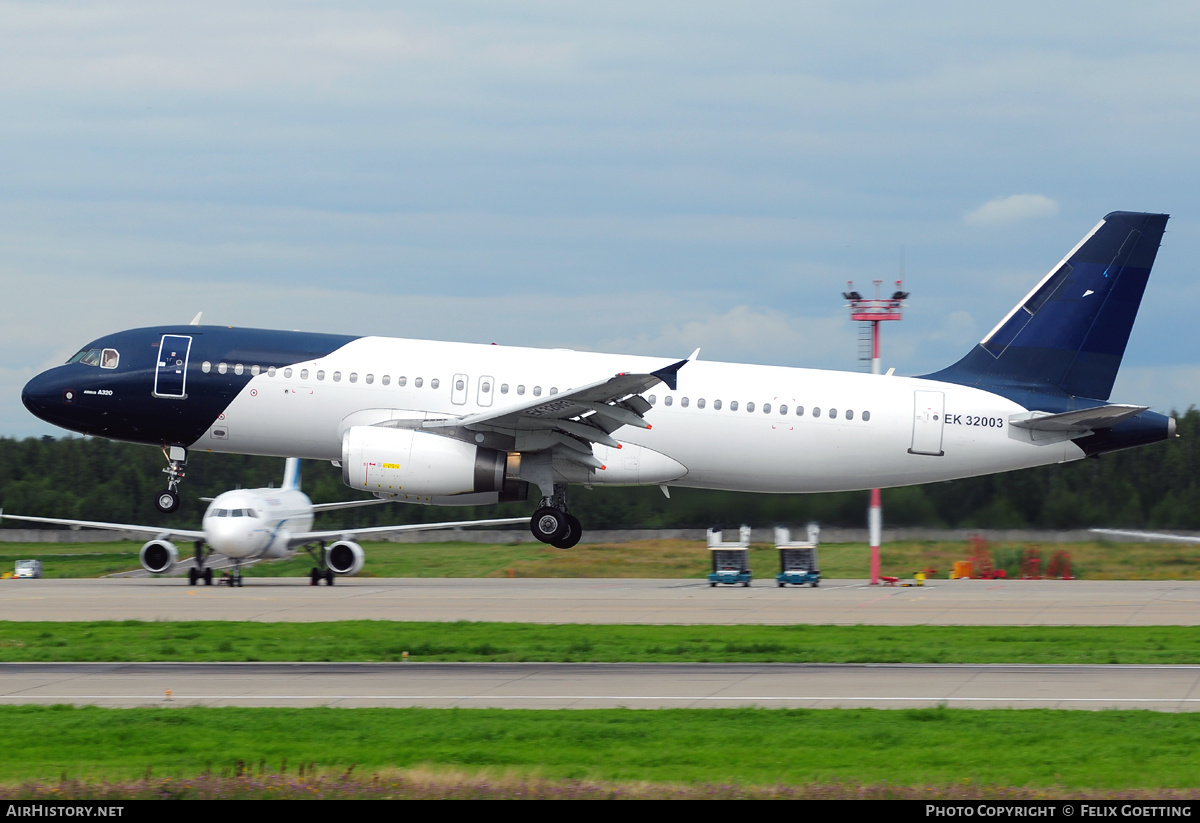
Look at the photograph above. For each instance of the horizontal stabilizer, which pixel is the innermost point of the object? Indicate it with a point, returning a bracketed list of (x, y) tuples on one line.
[(1080, 420)]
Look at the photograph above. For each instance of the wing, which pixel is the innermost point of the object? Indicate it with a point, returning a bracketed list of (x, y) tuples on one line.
[(153, 531), (1148, 535), (568, 423), (342, 534)]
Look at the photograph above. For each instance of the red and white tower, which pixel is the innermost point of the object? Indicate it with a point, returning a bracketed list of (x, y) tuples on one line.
[(871, 312)]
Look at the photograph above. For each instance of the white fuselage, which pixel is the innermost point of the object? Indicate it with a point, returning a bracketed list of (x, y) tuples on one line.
[(256, 522), (726, 426)]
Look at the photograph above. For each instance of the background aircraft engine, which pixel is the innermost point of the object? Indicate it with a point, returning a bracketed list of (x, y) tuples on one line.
[(345, 557), (159, 556), (404, 461)]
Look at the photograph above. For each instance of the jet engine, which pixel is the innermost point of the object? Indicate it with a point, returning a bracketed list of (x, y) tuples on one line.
[(345, 557), (159, 556), (404, 462)]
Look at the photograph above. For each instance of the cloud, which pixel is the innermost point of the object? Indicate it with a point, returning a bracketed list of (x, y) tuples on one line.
[(1012, 209)]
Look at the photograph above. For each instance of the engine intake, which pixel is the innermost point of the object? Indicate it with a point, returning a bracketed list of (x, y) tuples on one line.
[(159, 556), (345, 557), (408, 462)]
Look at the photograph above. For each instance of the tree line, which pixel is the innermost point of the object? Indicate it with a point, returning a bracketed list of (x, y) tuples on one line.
[(1153, 487)]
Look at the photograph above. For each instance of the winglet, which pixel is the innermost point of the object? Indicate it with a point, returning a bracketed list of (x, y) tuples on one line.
[(669, 374)]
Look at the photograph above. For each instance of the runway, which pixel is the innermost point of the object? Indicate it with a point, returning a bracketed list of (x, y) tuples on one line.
[(602, 685), (613, 601)]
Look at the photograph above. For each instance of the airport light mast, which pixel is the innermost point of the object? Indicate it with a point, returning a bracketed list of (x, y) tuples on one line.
[(874, 311)]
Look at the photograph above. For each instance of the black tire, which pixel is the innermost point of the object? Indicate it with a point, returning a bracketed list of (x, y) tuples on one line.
[(167, 501), (314, 576), (574, 532), (329, 576), (193, 576), (549, 525)]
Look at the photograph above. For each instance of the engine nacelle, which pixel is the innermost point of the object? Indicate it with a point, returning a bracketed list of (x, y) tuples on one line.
[(345, 557), (159, 556), (408, 464)]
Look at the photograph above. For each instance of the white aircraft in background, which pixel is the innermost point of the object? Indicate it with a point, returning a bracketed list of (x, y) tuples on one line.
[(251, 524), (464, 424)]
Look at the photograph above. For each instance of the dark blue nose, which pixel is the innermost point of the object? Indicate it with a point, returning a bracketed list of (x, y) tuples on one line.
[(48, 396)]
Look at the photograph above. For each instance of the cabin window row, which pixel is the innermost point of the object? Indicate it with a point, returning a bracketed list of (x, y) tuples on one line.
[(782, 409), (369, 379)]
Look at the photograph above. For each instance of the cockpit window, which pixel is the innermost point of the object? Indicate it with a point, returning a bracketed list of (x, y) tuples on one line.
[(104, 358), (87, 357)]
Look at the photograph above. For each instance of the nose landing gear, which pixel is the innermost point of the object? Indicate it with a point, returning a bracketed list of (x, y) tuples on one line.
[(167, 501)]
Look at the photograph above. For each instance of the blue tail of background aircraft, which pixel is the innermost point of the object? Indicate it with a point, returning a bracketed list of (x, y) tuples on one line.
[(1068, 335)]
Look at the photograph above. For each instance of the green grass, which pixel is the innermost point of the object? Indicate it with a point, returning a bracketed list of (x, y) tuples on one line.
[(1114, 749), (371, 641), (1100, 560)]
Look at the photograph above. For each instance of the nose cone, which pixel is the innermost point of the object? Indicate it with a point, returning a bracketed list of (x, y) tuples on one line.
[(47, 396)]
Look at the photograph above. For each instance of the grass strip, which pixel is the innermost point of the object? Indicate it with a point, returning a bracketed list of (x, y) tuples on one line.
[(938, 747), (383, 641)]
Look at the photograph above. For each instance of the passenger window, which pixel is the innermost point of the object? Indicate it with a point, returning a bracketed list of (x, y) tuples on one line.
[(816, 411), (254, 370), (783, 409), (504, 388), (554, 390), (337, 377), (683, 402), (799, 411), (222, 368), (866, 416), (353, 377), (304, 374), (270, 371), (239, 368), (459, 385), (434, 383), (419, 382), (668, 400), (402, 381), (287, 373), (717, 405), (206, 367), (652, 399), (320, 374), (766, 408), (370, 379), (849, 415), (537, 391), (700, 403), (749, 407), (833, 414), (521, 389), (386, 380), (733, 405)]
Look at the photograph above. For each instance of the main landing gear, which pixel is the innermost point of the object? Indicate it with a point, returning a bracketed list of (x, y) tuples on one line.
[(553, 524), (321, 571), (167, 501), (200, 572)]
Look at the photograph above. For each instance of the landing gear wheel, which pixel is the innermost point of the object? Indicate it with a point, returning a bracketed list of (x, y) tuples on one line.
[(193, 576), (549, 525), (208, 577), (328, 577), (572, 535), (314, 576), (167, 501)]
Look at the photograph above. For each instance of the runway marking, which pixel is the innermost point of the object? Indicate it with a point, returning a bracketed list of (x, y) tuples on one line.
[(175, 698)]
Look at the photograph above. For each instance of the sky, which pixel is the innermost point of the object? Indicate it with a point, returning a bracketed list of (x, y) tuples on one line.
[(625, 177)]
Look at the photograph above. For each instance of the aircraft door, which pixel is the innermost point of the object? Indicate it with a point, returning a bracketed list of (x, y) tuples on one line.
[(928, 419), (458, 389), (487, 387), (170, 377)]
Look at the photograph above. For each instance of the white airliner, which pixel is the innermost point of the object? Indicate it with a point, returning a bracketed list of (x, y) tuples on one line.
[(463, 424), (250, 524)]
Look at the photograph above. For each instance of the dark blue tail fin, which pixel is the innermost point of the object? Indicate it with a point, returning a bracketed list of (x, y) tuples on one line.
[(1068, 335)]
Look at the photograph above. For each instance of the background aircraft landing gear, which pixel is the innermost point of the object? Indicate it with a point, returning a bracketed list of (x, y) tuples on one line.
[(321, 571), (168, 501), (199, 571)]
